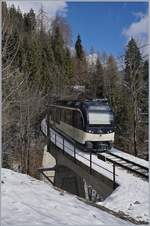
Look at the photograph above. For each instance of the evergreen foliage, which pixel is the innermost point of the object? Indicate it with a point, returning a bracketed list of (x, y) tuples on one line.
[(79, 48), (29, 21), (133, 82), (133, 63)]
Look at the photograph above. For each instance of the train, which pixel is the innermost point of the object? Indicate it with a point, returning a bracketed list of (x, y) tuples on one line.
[(90, 123)]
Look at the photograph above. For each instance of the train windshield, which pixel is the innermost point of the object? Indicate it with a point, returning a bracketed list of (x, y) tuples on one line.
[(100, 117)]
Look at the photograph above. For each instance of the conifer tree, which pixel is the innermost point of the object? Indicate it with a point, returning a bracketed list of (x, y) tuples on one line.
[(133, 63), (133, 82), (29, 21), (145, 87), (80, 65), (79, 48)]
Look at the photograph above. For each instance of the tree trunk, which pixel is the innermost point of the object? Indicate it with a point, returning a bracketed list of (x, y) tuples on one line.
[(135, 126), (134, 137)]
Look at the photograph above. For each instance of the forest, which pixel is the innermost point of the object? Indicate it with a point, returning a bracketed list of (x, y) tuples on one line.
[(38, 66)]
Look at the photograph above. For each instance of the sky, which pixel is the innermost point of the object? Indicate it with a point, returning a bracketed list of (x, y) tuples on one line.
[(103, 26)]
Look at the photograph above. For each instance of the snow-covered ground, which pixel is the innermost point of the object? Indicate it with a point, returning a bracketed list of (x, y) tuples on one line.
[(131, 196), (132, 158), (48, 161), (27, 201)]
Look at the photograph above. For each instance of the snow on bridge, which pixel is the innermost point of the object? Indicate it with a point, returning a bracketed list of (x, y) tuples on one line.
[(130, 197)]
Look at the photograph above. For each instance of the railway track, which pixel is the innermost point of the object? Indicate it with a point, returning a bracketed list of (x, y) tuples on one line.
[(125, 163)]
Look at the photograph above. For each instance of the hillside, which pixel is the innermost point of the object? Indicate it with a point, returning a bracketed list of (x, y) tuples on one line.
[(27, 201)]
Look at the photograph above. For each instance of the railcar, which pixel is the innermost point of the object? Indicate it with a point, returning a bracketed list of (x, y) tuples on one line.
[(90, 123)]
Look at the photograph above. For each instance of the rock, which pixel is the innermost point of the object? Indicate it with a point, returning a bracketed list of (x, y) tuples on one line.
[(136, 202)]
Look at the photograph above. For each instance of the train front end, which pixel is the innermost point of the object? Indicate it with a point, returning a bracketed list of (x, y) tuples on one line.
[(99, 127)]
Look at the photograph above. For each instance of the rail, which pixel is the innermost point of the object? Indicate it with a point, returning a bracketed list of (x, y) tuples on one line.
[(145, 175), (129, 161)]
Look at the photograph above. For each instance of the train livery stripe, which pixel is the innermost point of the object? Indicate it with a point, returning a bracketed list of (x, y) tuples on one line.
[(82, 136)]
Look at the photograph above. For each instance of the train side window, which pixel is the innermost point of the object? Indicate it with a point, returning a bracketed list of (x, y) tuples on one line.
[(68, 117), (65, 115), (71, 117), (53, 114), (57, 115), (80, 124), (78, 121), (62, 115)]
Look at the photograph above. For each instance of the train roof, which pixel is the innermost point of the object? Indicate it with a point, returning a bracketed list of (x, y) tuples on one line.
[(88, 104)]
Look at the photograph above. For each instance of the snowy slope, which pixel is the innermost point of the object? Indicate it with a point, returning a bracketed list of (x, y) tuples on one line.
[(27, 201), (131, 196)]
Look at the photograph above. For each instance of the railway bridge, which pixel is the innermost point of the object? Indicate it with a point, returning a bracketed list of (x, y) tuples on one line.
[(77, 171), (81, 172)]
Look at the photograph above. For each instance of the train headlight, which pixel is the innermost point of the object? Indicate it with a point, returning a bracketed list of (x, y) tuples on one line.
[(89, 131)]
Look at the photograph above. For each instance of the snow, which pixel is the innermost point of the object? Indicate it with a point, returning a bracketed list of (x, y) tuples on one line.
[(132, 158), (130, 197), (48, 161), (28, 201), (92, 58)]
